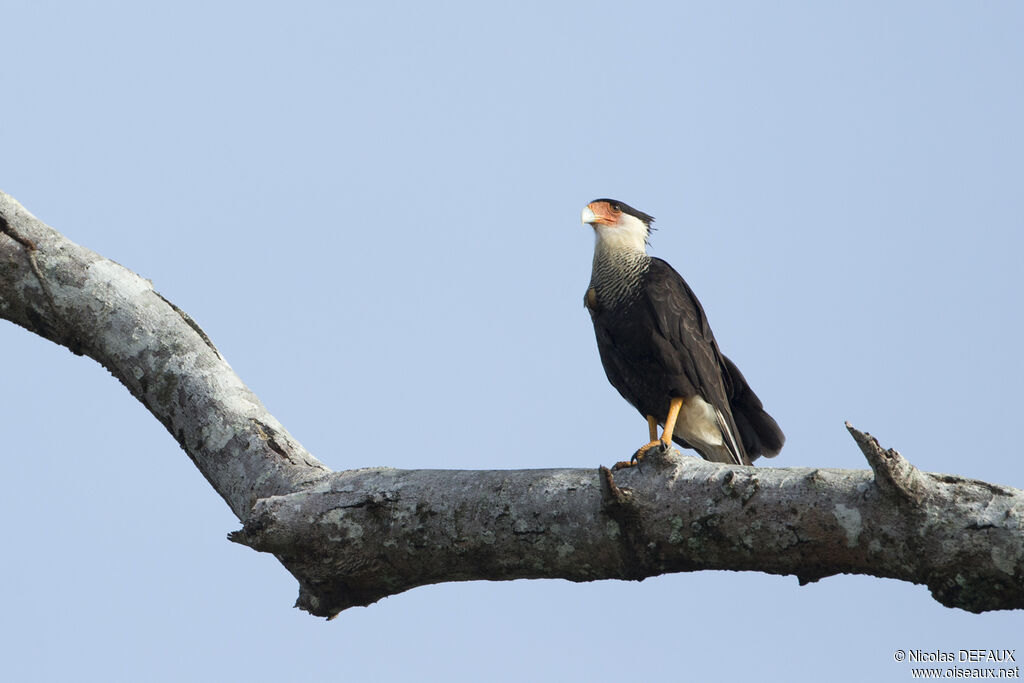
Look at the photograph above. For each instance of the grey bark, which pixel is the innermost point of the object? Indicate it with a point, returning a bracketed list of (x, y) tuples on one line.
[(75, 297), (351, 538)]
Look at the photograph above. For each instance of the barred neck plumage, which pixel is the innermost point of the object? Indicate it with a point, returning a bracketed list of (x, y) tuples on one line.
[(617, 273)]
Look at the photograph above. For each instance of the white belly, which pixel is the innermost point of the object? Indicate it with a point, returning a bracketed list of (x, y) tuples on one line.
[(698, 423)]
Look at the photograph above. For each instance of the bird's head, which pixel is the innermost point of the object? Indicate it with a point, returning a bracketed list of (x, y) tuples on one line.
[(618, 226)]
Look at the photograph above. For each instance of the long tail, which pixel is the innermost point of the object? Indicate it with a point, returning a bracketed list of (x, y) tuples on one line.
[(759, 432)]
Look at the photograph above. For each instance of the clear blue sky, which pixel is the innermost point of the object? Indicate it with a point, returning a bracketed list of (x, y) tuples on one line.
[(374, 212)]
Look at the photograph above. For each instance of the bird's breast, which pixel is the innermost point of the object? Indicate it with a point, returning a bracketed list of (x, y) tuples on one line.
[(616, 277)]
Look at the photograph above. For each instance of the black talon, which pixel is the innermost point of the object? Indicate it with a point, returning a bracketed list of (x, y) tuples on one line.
[(635, 462)]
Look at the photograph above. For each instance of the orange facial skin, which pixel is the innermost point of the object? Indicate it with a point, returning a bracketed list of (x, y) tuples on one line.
[(604, 213)]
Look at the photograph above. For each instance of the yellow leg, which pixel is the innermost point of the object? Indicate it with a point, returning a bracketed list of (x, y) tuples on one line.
[(665, 442), (674, 407)]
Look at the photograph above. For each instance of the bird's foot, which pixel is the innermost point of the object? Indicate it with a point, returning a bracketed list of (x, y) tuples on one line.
[(658, 446)]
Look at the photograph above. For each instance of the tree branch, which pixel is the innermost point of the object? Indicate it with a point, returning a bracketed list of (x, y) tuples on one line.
[(95, 307), (353, 537)]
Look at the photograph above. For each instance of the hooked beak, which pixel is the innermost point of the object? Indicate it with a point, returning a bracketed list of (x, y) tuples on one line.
[(599, 212)]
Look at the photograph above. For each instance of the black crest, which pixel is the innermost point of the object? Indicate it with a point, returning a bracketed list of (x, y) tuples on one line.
[(626, 208)]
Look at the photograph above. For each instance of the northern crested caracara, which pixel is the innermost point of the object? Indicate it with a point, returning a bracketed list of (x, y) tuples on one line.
[(658, 350)]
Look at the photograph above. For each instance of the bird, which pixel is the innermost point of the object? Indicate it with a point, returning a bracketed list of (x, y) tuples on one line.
[(659, 352)]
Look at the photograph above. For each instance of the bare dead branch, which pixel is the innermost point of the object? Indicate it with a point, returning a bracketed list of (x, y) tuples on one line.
[(103, 310), (353, 537)]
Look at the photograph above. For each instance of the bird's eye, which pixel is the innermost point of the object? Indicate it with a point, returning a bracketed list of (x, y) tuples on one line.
[(615, 207)]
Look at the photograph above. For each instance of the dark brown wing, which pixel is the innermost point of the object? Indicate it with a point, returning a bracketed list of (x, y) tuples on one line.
[(687, 347)]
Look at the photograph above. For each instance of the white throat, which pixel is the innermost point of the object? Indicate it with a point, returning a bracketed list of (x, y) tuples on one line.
[(628, 237), (620, 260)]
